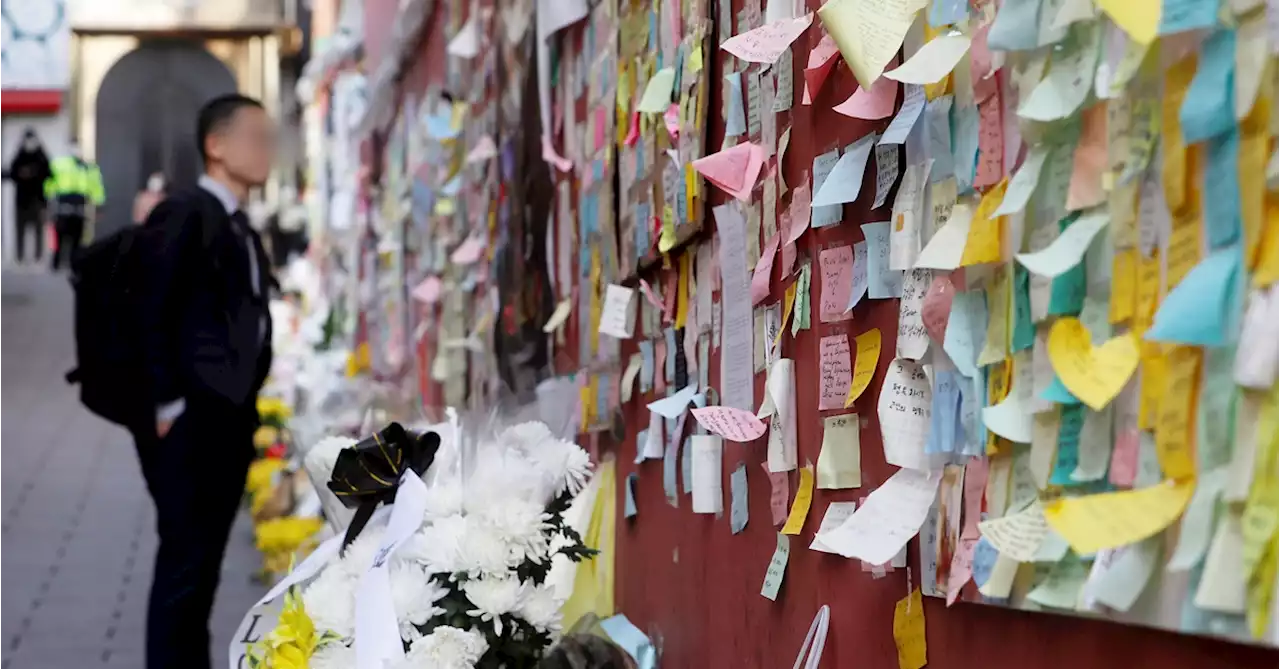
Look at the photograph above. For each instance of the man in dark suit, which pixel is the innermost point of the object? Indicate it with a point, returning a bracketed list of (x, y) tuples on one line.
[(208, 350)]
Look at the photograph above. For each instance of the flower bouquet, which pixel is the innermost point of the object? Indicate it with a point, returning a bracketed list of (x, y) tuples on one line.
[(465, 555)]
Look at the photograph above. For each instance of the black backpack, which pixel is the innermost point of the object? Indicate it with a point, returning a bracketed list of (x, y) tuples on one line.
[(107, 277)]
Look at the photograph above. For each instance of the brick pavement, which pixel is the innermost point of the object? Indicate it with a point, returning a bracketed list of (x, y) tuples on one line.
[(76, 522)]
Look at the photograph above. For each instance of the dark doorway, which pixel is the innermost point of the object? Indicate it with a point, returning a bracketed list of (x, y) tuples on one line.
[(146, 120)]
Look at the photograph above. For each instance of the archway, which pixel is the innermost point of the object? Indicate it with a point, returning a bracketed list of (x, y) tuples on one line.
[(146, 120)]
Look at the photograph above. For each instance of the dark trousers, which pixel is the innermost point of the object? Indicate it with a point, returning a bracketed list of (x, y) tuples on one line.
[(195, 475), (30, 221), (70, 229)]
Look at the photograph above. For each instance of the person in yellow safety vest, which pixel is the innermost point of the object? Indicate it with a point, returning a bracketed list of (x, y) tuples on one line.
[(74, 185)]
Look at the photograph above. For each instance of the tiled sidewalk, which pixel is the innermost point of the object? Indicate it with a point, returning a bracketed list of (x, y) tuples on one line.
[(78, 526)]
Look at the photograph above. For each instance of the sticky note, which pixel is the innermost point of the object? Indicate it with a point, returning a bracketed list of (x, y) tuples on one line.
[(909, 632), (823, 164), (1140, 19), (1209, 106), (1095, 375), (836, 265), (860, 275), (986, 230), (629, 507), (706, 465), (766, 43), (738, 508), (657, 93), (904, 412), (821, 60), (872, 103), (777, 568), (889, 517), (844, 182), (1069, 79), (729, 422), (674, 405), (618, 316), (837, 513), (1090, 523), (868, 32), (913, 104), (1068, 249), (835, 371), (733, 170), (936, 310), (1204, 308), (933, 61), (1175, 412), (735, 113), (840, 462), (867, 356), (946, 247), (913, 339), (800, 506), (883, 282)]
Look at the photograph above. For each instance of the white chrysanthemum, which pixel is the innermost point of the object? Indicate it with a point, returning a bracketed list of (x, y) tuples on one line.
[(443, 500), (334, 656), (438, 546), (526, 436), (358, 557), (564, 464), (324, 454), (493, 598), (445, 648), (330, 600), (521, 524), (484, 551), (501, 473), (414, 595), (541, 608)]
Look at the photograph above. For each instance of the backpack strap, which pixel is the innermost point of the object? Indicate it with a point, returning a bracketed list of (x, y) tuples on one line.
[(815, 640)]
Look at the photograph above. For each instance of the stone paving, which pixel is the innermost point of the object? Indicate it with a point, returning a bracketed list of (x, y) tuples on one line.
[(78, 528)]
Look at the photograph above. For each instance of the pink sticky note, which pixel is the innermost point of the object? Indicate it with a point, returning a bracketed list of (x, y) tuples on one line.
[(871, 104), (669, 304), (1090, 160), (650, 295), (766, 43), (936, 310), (778, 494), (821, 61), (659, 365), (975, 486), (990, 169), (483, 150), (672, 120), (601, 122), (731, 423), (764, 271), (468, 252), (733, 170), (1124, 458), (961, 569), (633, 132), (980, 53), (428, 292), (788, 247), (799, 211), (550, 155), (835, 371), (836, 266)]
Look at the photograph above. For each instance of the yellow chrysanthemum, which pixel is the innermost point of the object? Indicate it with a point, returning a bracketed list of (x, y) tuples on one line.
[(285, 535), (292, 642), (265, 437), (261, 473)]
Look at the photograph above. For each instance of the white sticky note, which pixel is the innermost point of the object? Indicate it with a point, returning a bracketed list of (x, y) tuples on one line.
[(904, 409), (837, 513), (891, 515), (672, 406), (1024, 181), (844, 182), (933, 61), (707, 458), (1068, 249), (946, 247), (618, 316)]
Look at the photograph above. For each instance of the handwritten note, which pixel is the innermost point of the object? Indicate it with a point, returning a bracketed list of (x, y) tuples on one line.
[(823, 164), (946, 247), (840, 462), (736, 369), (779, 494), (908, 632), (1068, 249), (1091, 523), (886, 175), (867, 346), (706, 465), (777, 569), (883, 282), (933, 61), (800, 507), (872, 103), (891, 515), (836, 265), (844, 182), (1017, 536), (913, 104), (834, 371), (1095, 375), (733, 170), (629, 506), (766, 43), (868, 32), (618, 316), (913, 339), (837, 513), (729, 422), (1068, 81), (904, 410)]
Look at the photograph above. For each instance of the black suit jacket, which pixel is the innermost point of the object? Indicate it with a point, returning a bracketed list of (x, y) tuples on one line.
[(204, 324)]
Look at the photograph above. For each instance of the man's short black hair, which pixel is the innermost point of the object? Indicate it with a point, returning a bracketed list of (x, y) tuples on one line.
[(216, 114)]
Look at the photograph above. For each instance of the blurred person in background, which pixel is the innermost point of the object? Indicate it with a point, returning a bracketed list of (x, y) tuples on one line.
[(74, 186), (28, 171), (148, 198)]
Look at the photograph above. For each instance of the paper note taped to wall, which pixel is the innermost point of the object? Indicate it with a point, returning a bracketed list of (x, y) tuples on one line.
[(618, 317), (892, 514), (731, 423), (766, 43), (1108, 520)]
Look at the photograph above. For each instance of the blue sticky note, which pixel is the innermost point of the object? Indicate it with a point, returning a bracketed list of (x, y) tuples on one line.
[(631, 639), (646, 366), (440, 126), (1071, 420), (735, 116), (1203, 308), (973, 396), (1178, 16), (824, 215), (669, 463), (642, 438), (948, 12), (738, 511), (966, 331), (1222, 218), (964, 146), (686, 466), (669, 369), (629, 511), (1066, 294), (984, 561), (641, 230), (1209, 107), (937, 116), (1058, 393), (1017, 26), (1024, 331), (944, 414), (882, 283)]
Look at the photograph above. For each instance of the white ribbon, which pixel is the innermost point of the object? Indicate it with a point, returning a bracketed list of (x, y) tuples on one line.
[(377, 637), (815, 640)]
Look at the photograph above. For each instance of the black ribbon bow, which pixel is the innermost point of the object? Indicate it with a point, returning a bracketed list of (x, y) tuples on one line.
[(368, 473)]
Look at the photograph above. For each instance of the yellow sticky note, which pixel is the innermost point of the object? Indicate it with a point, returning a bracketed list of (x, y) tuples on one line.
[(1140, 19), (1262, 588), (667, 239), (1173, 172), (1175, 419), (840, 462), (864, 365), (445, 207), (1091, 523), (788, 303), (999, 291), (985, 230), (682, 290), (868, 32), (1124, 285), (1095, 375), (1255, 149), (1262, 508), (1148, 291), (800, 507), (695, 59), (1266, 265), (998, 380), (908, 632), (1186, 238), (1152, 388)]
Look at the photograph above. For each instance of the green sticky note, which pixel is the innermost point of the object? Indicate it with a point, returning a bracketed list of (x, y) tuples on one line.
[(1066, 296), (801, 319), (1024, 331)]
